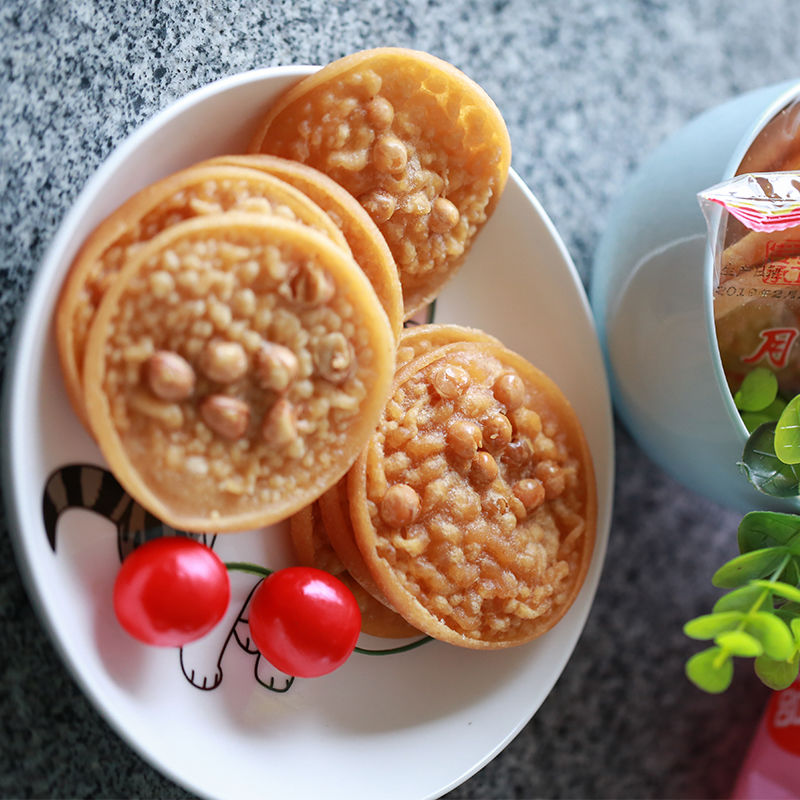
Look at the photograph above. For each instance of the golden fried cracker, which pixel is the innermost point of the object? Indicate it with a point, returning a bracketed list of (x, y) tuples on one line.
[(234, 370), (313, 549), (419, 339), (474, 502), (310, 541), (192, 192), (420, 145), (377, 619), (335, 513), (367, 245)]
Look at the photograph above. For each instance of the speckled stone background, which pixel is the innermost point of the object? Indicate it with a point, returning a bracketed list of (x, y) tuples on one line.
[(588, 89)]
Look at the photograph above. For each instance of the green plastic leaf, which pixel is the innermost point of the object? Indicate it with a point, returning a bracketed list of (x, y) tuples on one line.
[(785, 590), (790, 614), (758, 390), (748, 566), (764, 469), (752, 419), (777, 675), (759, 529), (739, 643), (787, 433), (772, 413), (708, 626), (741, 599), (755, 419), (792, 572), (775, 408), (773, 633), (711, 670)]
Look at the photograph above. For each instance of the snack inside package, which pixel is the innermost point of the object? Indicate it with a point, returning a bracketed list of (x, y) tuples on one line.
[(754, 231)]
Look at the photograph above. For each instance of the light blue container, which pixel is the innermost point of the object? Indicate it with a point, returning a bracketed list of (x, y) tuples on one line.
[(652, 299)]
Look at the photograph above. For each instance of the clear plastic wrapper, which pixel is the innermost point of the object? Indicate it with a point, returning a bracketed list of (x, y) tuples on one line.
[(754, 231)]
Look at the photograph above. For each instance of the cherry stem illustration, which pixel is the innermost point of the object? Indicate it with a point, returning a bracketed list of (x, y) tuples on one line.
[(390, 651), (245, 566)]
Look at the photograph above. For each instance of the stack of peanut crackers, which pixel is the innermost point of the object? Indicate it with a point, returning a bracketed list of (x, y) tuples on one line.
[(233, 338)]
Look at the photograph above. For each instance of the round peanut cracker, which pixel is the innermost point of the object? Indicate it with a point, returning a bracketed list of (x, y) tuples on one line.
[(335, 513), (192, 192), (367, 245), (310, 541), (420, 145), (313, 549), (420, 339), (235, 369), (474, 502)]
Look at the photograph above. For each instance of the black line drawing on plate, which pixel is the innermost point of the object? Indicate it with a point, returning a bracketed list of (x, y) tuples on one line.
[(95, 489)]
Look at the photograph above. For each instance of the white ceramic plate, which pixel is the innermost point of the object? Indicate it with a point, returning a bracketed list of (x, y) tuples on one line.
[(406, 725)]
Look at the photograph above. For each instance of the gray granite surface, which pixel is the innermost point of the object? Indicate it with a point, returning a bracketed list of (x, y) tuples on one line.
[(588, 88)]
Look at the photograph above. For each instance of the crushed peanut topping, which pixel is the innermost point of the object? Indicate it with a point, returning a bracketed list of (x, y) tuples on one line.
[(389, 154), (530, 492), (510, 391), (484, 468), (333, 357), (227, 416), (276, 366), (444, 215), (400, 506), (224, 362), (169, 376), (450, 381), (280, 426), (380, 112), (464, 438), (379, 205), (497, 432), (311, 286)]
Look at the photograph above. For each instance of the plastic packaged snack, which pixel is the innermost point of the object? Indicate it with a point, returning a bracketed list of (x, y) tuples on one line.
[(754, 233)]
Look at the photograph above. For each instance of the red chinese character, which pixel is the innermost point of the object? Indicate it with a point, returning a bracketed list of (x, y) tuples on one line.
[(775, 345), (786, 272), (785, 248)]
